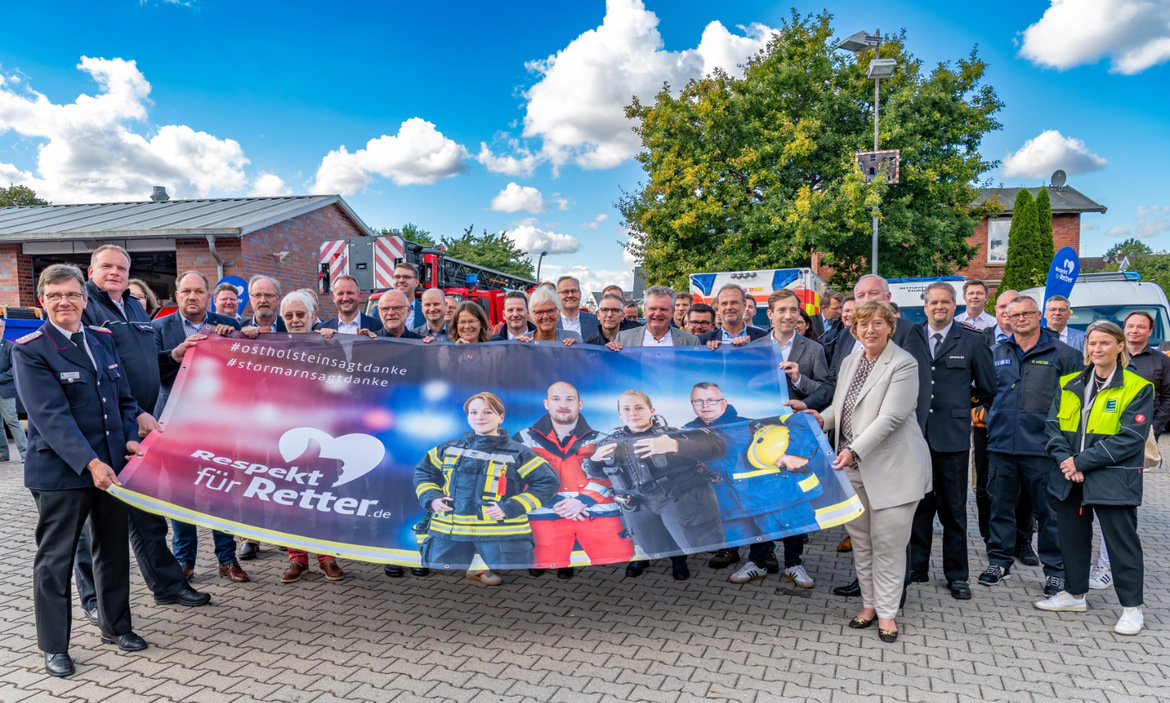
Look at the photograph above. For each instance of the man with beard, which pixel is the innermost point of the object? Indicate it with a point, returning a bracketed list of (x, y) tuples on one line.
[(610, 320), (392, 308), (583, 511), (263, 295)]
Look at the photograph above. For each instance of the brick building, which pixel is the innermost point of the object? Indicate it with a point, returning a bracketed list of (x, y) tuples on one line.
[(278, 236), (991, 236)]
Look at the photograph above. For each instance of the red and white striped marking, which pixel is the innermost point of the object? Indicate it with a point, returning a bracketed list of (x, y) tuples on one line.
[(386, 251)]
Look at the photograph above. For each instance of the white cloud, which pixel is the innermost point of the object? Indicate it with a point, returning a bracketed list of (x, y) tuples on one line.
[(89, 152), (576, 108), (1134, 34), (1152, 220), (534, 240), (562, 202), (418, 154), (1117, 231), (518, 198), (596, 222), (523, 164), (1049, 151), (268, 184)]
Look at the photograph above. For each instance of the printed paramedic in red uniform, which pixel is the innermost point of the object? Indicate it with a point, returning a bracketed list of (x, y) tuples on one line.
[(583, 511)]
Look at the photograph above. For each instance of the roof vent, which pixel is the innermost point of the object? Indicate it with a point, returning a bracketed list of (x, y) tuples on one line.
[(160, 194)]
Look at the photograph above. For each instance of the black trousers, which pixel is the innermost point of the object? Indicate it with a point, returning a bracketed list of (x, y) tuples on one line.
[(1119, 526), (60, 517), (949, 501), (1011, 474), (793, 550), (1025, 515), (689, 522), (148, 536)]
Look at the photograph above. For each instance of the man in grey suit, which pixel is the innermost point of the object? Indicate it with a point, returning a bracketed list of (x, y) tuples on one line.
[(803, 362), (1056, 314), (658, 306)]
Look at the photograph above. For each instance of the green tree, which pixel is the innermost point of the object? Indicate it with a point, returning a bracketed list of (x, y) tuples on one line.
[(1044, 218), (1025, 266), (411, 232), (1152, 267), (495, 251), (19, 195), (759, 171), (1131, 247)]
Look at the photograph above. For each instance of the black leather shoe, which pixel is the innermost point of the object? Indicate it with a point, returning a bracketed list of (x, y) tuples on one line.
[(679, 569), (248, 550), (565, 573), (420, 571), (636, 568), (1027, 557), (960, 590), (128, 642), (853, 588), (92, 615), (394, 572), (917, 577), (58, 664), (185, 596), (536, 573)]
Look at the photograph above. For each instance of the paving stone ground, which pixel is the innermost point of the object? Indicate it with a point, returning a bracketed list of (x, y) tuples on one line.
[(597, 637)]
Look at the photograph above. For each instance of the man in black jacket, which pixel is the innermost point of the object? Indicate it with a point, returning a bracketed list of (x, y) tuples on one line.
[(731, 302), (111, 307), (962, 376)]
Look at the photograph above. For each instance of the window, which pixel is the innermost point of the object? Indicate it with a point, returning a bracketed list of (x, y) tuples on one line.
[(997, 239)]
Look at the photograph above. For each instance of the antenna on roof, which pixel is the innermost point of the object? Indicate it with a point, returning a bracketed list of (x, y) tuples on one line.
[(1058, 178)]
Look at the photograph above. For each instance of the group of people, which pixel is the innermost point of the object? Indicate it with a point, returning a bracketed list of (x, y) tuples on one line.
[(1059, 436)]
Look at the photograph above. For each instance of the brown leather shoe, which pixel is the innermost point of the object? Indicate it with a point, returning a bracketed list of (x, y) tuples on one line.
[(188, 572), (233, 572), (294, 572), (845, 545), (331, 570)]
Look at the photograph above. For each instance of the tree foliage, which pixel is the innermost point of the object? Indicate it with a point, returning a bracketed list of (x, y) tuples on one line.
[(1044, 220), (411, 232), (759, 171), (1131, 247), (1025, 266), (496, 251), (19, 195)]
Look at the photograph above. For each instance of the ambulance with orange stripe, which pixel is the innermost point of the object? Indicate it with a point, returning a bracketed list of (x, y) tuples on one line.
[(808, 286)]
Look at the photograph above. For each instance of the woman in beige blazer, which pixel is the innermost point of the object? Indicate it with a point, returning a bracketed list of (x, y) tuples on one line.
[(881, 449)]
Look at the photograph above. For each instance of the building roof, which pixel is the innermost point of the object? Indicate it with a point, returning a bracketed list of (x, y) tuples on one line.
[(1064, 199), (233, 217)]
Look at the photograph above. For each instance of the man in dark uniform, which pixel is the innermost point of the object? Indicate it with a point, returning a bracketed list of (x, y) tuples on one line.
[(962, 376), (82, 422), (110, 306)]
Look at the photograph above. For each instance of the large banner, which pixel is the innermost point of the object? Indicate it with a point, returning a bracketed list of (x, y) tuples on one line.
[(516, 455)]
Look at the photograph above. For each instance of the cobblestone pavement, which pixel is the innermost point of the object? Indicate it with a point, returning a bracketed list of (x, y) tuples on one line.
[(596, 637)]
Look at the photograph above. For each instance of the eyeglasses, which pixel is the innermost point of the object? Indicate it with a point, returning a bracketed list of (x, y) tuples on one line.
[(58, 297), (545, 313), (570, 291), (609, 311), (708, 401), (1018, 315), (139, 298), (404, 277), (264, 296), (394, 307)]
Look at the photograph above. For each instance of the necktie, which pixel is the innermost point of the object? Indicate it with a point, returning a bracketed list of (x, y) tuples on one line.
[(78, 339), (937, 341)]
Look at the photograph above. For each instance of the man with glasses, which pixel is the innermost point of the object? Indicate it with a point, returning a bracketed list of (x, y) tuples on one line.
[(610, 320), (700, 319), (573, 318), (1028, 367), (392, 307), (406, 282), (263, 296), (1056, 314)]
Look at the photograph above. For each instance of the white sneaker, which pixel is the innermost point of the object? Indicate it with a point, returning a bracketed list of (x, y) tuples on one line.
[(1101, 578), (799, 576), (1063, 602), (748, 572), (486, 577), (1130, 622)]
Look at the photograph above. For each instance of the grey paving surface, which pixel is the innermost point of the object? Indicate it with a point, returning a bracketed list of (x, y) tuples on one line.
[(597, 637)]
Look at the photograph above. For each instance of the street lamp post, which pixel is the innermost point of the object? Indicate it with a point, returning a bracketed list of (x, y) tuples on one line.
[(878, 69), (538, 263)]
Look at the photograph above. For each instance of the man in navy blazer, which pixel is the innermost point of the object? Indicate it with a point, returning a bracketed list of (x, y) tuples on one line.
[(264, 297), (177, 332), (347, 298), (731, 302), (573, 318), (82, 423), (406, 282), (1056, 314), (962, 377)]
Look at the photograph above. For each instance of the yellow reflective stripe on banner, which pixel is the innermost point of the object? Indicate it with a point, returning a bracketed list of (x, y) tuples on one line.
[(809, 483), (840, 513), (434, 457), (528, 500), (425, 486), (532, 464), (752, 474), (473, 520)]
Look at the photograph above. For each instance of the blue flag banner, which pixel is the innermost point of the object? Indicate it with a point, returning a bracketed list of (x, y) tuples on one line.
[(508, 454), (1062, 274)]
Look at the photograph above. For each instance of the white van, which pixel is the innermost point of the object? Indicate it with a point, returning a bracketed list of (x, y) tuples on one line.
[(1113, 296), (909, 294)]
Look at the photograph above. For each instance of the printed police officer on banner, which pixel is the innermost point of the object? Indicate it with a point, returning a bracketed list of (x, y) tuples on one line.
[(82, 422)]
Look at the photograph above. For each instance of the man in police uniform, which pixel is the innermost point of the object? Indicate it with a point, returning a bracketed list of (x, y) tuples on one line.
[(82, 422), (110, 306)]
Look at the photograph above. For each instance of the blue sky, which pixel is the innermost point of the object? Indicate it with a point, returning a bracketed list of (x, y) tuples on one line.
[(507, 115)]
